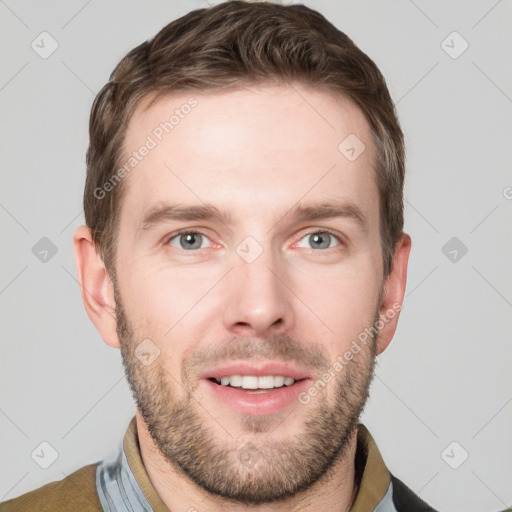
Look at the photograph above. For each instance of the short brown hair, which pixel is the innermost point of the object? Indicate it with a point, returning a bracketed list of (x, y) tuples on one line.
[(233, 44)]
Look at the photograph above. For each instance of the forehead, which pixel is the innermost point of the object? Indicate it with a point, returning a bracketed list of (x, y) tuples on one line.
[(250, 147)]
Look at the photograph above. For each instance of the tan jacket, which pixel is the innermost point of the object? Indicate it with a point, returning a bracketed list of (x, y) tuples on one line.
[(75, 492)]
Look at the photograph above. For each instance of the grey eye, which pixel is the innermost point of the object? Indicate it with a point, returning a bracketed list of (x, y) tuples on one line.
[(320, 240), (188, 241)]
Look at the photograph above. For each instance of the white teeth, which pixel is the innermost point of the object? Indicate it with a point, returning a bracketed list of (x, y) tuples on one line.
[(234, 380), (279, 381), (255, 382), (266, 382), (249, 382)]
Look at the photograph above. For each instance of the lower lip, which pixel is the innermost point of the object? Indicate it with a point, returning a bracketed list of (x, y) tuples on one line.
[(258, 403)]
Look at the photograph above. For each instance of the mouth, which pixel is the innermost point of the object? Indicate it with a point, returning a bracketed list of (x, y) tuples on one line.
[(254, 384), (259, 390)]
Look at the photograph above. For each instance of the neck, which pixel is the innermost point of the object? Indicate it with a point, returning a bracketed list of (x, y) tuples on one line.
[(335, 491)]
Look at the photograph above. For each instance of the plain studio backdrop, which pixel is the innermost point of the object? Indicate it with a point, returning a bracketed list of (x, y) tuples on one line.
[(441, 403)]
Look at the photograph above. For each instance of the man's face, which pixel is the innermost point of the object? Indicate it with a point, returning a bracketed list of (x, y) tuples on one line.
[(264, 292)]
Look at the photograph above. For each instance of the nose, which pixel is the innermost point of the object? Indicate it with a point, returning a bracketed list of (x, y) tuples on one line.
[(259, 301)]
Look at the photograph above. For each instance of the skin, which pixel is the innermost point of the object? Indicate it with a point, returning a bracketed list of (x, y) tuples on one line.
[(255, 152)]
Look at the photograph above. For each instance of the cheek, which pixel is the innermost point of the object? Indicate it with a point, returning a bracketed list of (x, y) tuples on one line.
[(345, 301), (159, 301)]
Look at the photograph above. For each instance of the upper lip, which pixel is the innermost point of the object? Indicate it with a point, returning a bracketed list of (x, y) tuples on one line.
[(263, 368)]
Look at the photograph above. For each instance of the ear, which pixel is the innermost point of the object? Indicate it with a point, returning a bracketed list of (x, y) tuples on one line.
[(393, 293), (95, 286)]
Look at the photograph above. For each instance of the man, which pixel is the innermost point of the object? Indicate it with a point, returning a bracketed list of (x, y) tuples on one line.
[(244, 249)]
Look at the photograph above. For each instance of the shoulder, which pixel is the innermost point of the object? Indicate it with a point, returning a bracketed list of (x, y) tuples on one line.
[(405, 500), (75, 492)]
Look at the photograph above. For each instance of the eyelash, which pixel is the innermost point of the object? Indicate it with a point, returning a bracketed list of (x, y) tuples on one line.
[(197, 232)]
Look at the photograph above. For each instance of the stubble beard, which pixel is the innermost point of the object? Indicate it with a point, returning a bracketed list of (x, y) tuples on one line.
[(258, 471)]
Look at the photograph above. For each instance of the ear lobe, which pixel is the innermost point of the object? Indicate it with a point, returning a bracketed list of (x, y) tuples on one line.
[(96, 286), (393, 294)]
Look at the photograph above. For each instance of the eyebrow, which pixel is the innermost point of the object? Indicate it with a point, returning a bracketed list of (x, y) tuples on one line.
[(165, 212)]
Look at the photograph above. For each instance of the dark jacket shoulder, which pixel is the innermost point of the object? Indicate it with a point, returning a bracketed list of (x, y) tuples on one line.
[(405, 500), (75, 492)]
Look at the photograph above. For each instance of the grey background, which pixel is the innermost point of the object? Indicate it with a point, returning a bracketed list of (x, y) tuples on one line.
[(446, 376)]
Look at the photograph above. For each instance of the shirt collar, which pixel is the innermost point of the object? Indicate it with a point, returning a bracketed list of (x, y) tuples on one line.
[(123, 483), (375, 478)]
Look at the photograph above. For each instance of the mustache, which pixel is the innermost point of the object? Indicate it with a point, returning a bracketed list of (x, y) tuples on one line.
[(280, 347)]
